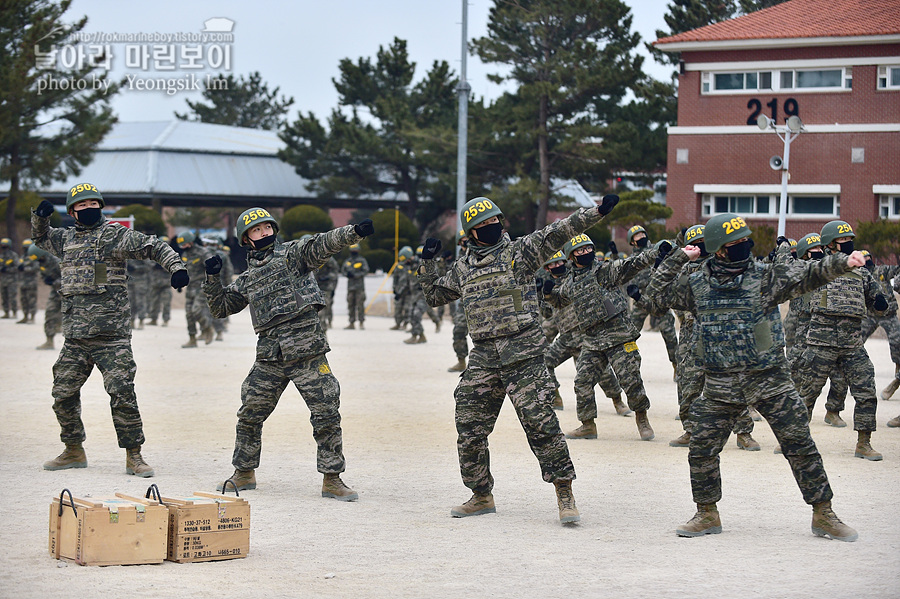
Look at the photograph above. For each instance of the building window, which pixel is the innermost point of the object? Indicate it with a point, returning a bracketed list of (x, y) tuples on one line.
[(890, 207), (799, 206), (778, 80), (889, 77)]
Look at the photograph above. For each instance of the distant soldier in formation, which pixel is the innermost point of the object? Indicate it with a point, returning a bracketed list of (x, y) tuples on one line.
[(355, 268), (138, 291), (739, 341), (458, 315), (400, 286), (196, 309), (416, 302), (835, 340), (637, 238), (889, 322), (9, 278), (280, 287), (160, 301), (51, 276), (97, 319), (495, 283), (327, 279), (29, 273)]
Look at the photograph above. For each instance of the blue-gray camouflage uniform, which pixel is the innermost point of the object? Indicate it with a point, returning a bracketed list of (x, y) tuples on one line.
[(355, 268)]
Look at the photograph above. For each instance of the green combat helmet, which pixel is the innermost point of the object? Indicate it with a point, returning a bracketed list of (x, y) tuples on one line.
[(722, 229), (249, 219), (5, 242), (185, 238), (836, 229), (406, 253), (808, 242), (557, 257), (83, 191), (477, 210), (576, 242), (694, 235), (634, 231)]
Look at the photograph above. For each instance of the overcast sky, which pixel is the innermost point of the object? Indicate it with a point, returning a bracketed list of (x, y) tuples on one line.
[(297, 45)]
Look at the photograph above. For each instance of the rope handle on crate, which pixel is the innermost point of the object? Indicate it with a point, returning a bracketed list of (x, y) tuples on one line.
[(153, 493), (71, 502), (225, 487)]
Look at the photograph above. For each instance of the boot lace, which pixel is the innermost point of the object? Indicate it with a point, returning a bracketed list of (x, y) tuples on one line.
[(136, 458), (564, 494)]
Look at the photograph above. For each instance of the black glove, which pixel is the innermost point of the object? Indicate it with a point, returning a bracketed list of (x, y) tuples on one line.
[(538, 284), (782, 239), (48, 280), (609, 202), (447, 254), (44, 209), (633, 291), (21, 268), (351, 275), (664, 248), (180, 279), (880, 303), (549, 284), (432, 246), (364, 228), (213, 265), (612, 247)]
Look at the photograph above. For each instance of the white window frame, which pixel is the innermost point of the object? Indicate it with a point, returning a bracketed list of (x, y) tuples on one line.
[(708, 205), (885, 75), (707, 81), (889, 207)]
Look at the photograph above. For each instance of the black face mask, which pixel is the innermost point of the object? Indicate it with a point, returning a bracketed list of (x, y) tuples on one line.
[(559, 270), (263, 242), (701, 245), (793, 253), (814, 255), (870, 265), (739, 251), (846, 247), (489, 234), (586, 259), (88, 216), (642, 242)]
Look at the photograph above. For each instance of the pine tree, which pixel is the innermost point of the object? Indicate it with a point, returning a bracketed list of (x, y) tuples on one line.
[(240, 103), (46, 132)]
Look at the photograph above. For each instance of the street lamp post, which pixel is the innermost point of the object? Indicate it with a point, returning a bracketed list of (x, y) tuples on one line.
[(788, 133)]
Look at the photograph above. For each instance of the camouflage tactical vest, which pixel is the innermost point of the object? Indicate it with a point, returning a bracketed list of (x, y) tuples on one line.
[(82, 266), (732, 330), (495, 304), (844, 296), (277, 293), (594, 304)]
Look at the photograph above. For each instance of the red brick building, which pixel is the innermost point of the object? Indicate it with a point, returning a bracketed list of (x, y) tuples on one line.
[(833, 63)]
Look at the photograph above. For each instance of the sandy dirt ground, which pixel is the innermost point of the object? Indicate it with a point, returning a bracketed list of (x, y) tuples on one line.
[(399, 540)]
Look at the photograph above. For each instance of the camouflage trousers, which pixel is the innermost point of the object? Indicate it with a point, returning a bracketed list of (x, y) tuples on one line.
[(196, 310), (356, 305), (115, 361), (479, 397), (417, 309), (28, 295), (460, 332), (326, 314), (818, 362), (401, 309), (260, 393), (53, 313), (891, 326), (714, 415), (689, 379), (9, 288), (137, 300), (625, 361), (548, 325), (567, 346), (160, 303), (666, 328)]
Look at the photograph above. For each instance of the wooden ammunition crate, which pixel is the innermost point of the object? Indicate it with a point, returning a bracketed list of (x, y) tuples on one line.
[(107, 531), (207, 527)]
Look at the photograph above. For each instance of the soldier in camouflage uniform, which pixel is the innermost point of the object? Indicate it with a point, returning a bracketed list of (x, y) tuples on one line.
[(9, 278), (417, 305), (637, 238), (740, 342), (689, 375), (355, 268), (29, 271), (196, 308), (160, 302), (280, 287), (400, 286), (835, 340), (599, 313), (138, 291), (51, 275), (327, 279), (495, 283), (567, 344), (460, 327), (97, 320), (889, 322)]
